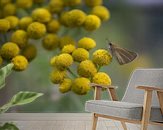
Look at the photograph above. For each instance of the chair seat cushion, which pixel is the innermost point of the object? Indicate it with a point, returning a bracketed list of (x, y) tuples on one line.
[(131, 111)]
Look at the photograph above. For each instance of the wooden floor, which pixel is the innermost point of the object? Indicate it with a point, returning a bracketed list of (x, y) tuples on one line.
[(59, 121)]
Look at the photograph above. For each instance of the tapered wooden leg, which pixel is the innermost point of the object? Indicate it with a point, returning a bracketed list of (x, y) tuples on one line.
[(124, 125), (146, 109), (94, 123)]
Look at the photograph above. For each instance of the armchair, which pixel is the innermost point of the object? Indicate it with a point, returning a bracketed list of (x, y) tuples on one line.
[(137, 106)]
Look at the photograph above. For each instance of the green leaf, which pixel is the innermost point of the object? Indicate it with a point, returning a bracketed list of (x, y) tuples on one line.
[(8, 126), (5, 107), (20, 98), (4, 72), (24, 97)]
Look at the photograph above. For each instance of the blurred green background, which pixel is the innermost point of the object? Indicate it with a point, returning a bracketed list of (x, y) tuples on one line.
[(136, 26)]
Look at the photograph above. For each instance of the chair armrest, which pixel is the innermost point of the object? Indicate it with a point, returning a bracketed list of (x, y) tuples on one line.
[(101, 85), (150, 88), (98, 88)]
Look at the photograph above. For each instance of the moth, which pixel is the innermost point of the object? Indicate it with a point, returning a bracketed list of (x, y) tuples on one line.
[(122, 55)]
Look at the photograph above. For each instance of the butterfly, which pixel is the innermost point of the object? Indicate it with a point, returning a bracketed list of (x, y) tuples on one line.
[(122, 55)]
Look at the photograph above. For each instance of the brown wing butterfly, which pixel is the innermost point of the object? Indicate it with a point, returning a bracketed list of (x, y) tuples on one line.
[(122, 55)]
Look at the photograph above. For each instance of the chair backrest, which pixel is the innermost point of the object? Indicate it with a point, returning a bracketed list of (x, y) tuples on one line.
[(146, 77)]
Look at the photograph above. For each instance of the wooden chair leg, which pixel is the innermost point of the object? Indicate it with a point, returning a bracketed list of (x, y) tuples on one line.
[(94, 123), (124, 125), (146, 110)]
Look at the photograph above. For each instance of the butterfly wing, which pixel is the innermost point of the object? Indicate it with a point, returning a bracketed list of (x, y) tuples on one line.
[(122, 55)]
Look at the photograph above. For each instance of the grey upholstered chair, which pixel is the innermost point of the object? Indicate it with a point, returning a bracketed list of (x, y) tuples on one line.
[(138, 105)]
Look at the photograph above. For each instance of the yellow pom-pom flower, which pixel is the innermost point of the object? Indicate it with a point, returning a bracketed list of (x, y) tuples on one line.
[(4, 2), (20, 63), (80, 54), (9, 50), (86, 43), (36, 30), (50, 42), (24, 3), (13, 20), (65, 86), (76, 18), (63, 18), (25, 22), (92, 3), (92, 22), (102, 12), (102, 57), (87, 69), (29, 52), (52, 61), (63, 61), (20, 37), (66, 40), (9, 9), (41, 15), (101, 78), (4, 25), (1, 60), (81, 86), (56, 6), (53, 26), (57, 76), (68, 49)]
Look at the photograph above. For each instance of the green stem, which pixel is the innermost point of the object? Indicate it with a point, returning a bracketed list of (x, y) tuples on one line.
[(69, 70), (98, 69)]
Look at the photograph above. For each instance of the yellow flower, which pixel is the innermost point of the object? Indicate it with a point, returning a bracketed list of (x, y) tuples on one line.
[(24, 3), (102, 57), (53, 26), (9, 9), (20, 63), (80, 54), (4, 2), (1, 60), (50, 42), (87, 69), (101, 78), (13, 20), (92, 22), (20, 38), (68, 49), (72, 2), (81, 86), (52, 61), (63, 61), (57, 76), (9, 50), (92, 3), (36, 30), (75, 18), (63, 18), (29, 52), (86, 43), (41, 15), (65, 40), (65, 86), (102, 12), (4, 25), (25, 22), (56, 6)]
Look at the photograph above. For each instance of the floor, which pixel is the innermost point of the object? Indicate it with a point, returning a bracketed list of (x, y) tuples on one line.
[(59, 121)]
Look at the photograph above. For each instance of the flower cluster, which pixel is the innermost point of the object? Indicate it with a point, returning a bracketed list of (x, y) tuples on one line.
[(87, 68), (22, 22)]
